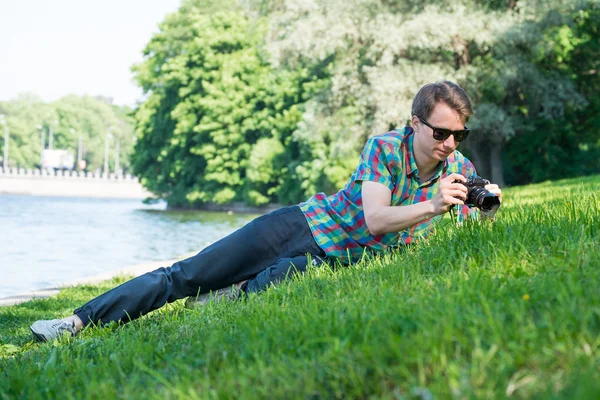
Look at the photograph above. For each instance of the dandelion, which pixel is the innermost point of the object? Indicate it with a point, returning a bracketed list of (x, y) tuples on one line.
[(526, 297)]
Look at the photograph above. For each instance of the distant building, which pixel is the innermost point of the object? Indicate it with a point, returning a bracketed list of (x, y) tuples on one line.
[(57, 159), (105, 99)]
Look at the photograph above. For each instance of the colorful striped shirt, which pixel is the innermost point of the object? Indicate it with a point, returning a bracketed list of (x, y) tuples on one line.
[(338, 222)]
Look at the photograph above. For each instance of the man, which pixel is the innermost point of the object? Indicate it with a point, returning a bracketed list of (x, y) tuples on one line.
[(405, 181)]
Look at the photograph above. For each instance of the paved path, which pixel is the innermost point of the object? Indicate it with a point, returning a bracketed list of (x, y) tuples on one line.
[(135, 270)]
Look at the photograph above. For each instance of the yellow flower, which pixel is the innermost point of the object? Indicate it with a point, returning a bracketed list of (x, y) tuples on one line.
[(526, 297)]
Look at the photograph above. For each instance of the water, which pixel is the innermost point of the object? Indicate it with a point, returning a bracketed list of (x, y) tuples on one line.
[(49, 241)]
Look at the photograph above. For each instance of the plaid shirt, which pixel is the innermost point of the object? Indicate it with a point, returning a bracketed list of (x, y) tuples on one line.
[(338, 221)]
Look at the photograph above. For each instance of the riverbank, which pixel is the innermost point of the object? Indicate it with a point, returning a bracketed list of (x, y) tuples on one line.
[(70, 184), (89, 185)]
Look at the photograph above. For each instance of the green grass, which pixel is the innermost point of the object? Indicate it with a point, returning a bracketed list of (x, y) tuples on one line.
[(509, 309)]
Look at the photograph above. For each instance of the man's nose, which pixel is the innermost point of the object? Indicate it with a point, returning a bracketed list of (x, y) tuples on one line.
[(449, 142)]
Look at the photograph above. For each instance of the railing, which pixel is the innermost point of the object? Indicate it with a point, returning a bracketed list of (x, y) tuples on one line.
[(58, 174)]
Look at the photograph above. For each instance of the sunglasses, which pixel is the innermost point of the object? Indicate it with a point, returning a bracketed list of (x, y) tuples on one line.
[(443, 134)]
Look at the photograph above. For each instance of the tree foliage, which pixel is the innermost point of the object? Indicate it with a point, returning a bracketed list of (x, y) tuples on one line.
[(272, 100), (30, 120), (381, 52), (218, 121), (568, 144)]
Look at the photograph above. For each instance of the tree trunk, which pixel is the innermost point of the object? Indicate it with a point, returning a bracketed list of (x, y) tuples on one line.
[(478, 155), (497, 168)]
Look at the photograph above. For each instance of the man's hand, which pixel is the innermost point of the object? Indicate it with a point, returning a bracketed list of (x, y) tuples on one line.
[(495, 189), (450, 193)]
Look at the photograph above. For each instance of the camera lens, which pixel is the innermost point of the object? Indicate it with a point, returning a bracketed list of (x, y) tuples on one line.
[(489, 201), (484, 199)]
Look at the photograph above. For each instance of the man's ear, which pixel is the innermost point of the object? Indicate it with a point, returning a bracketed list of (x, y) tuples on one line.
[(416, 124)]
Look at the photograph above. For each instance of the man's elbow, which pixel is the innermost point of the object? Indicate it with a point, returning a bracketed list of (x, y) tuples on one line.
[(373, 223)]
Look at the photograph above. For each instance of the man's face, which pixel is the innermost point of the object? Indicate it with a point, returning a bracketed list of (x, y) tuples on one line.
[(432, 149)]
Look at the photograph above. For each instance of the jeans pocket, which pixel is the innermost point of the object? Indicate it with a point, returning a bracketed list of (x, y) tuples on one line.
[(311, 247)]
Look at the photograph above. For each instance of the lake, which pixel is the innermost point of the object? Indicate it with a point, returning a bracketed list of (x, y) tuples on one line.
[(49, 241)]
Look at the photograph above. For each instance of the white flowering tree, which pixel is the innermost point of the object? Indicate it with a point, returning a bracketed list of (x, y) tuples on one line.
[(378, 53)]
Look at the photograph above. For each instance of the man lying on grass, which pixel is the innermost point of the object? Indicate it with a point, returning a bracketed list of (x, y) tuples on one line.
[(405, 181)]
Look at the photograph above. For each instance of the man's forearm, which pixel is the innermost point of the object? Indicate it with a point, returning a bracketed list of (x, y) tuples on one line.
[(398, 218)]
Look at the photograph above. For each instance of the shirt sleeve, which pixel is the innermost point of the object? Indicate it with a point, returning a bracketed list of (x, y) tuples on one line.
[(376, 163)]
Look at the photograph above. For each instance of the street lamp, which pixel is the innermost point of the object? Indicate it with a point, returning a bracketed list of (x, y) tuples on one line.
[(6, 139), (107, 136), (117, 159), (43, 135), (79, 148), (51, 134)]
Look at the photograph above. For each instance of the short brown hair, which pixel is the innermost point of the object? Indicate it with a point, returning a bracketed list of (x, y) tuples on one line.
[(442, 92)]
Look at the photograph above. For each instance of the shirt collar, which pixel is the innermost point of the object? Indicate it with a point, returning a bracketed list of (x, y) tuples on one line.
[(411, 164)]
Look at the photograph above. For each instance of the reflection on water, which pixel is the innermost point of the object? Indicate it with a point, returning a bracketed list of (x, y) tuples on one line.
[(48, 241)]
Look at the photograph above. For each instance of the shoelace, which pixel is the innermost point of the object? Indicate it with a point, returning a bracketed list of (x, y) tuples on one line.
[(64, 326)]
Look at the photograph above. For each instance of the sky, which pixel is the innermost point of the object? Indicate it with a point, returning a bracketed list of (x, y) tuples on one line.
[(52, 48)]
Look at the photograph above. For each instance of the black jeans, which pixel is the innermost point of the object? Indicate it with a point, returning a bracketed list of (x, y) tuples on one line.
[(264, 251)]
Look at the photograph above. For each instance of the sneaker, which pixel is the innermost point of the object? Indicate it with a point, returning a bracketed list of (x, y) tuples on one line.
[(44, 331), (228, 293)]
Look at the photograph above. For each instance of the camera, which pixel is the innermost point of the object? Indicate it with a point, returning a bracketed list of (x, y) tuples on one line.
[(479, 197)]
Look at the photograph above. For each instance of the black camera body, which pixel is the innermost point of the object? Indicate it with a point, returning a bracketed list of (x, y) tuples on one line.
[(479, 197)]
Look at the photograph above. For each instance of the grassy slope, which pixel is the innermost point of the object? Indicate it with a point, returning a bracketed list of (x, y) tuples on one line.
[(509, 309)]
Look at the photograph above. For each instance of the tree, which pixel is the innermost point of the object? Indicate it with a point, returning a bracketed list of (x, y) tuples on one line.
[(569, 144), (217, 118), (380, 53), (30, 120), (23, 115), (91, 119)]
